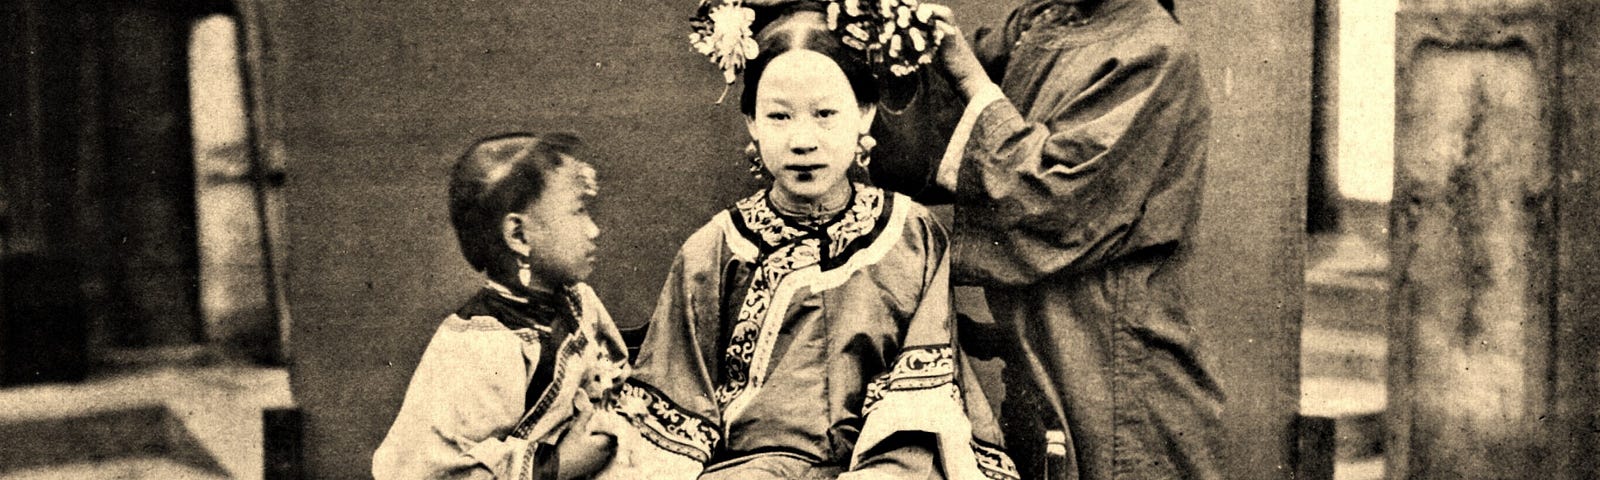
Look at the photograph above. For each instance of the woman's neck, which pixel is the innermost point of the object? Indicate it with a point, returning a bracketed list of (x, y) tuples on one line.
[(833, 201)]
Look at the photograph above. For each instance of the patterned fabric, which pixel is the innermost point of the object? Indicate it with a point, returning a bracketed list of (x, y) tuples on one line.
[(497, 383), (865, 281), (994, 463), (932, 370), (788, 247), (571, 348), (668, 426), (917, 368)]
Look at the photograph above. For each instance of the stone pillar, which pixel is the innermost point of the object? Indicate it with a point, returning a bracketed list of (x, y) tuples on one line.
[(1491, 371)]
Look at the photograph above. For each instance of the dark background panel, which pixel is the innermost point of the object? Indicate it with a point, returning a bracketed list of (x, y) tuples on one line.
[(374, 101)]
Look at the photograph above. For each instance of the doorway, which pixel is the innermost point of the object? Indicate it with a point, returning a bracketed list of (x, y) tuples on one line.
[(131, 172)]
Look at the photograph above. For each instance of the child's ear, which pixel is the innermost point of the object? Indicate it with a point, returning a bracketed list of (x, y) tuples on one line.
[(750, 125), (511, 231), (868, 114)]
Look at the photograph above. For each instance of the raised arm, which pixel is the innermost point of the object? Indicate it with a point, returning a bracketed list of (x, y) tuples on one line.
[(1091, 172)]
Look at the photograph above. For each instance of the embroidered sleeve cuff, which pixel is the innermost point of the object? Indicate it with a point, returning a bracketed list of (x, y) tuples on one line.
[(950, 164)]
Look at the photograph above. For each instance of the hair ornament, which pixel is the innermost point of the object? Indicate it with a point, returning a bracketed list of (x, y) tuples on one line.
[(894, 36), (587, 180), (721, 32)]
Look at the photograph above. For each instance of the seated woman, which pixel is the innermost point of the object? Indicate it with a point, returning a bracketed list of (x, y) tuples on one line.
[(806, 332)]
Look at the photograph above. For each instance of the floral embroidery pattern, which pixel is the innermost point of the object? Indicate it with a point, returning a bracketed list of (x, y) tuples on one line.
[(571, 348), (665, 424), (933, 368), (747, 330), (858, 221), (791, 249), (916, 369), (994, 463)]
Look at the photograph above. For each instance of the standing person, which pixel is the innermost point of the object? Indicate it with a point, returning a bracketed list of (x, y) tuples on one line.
[(805, 332), (507, 386), (1077, 184)]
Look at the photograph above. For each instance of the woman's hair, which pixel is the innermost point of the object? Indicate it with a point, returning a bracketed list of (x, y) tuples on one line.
[(800, 26), (496, 176)]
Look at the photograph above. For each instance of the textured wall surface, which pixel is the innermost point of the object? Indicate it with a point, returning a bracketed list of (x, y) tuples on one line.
[(1475, 189), (1494, 358)]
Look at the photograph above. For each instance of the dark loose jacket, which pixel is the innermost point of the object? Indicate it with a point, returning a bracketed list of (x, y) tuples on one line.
[(1076, 196)]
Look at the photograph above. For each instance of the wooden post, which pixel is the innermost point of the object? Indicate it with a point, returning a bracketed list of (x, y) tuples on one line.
[(1315, 447), (1575, 426), (283, 444), (1486, 364)]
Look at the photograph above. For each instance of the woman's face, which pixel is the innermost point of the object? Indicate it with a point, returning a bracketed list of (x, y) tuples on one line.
[(807, 123)]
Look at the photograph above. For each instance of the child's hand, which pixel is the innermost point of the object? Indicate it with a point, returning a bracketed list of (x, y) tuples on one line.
[(583, 451)]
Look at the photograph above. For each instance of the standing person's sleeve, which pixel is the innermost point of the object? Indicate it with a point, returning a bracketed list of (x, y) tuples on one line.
[(993, 45), (1064, 192)]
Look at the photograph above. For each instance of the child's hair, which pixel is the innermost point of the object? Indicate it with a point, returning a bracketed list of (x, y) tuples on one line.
[(496, 176)]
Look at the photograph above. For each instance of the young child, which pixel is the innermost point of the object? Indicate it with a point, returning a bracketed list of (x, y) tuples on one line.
[(508, 382)]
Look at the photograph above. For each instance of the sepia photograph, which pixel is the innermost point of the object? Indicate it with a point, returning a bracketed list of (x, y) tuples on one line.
[(800, 239)]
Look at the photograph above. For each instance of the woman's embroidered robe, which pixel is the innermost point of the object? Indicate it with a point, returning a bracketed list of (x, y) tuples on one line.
[(788, 349)]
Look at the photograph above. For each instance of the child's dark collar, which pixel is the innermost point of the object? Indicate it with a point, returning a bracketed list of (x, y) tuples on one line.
[(527, 308)]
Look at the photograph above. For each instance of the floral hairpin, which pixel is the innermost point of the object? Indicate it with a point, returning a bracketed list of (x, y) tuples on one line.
[(587, 182), (894, 35), (721, 31)]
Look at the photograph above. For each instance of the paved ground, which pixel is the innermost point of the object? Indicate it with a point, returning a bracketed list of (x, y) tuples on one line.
[(158, 422)]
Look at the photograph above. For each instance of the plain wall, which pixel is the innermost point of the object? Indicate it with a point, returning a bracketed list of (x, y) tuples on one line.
[(1247, 281), (370, 104)]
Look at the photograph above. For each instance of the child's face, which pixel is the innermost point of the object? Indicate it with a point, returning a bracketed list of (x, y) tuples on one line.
[(559, 228)]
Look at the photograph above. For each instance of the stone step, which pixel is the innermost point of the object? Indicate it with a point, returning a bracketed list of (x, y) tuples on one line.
[(132, 468), (1355, 405), (207, 418), (1347, 285), (1327, 352), (1363, 469)]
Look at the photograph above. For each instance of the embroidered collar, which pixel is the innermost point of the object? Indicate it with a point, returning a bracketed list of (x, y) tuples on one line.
[(838, 236), (811, 214)]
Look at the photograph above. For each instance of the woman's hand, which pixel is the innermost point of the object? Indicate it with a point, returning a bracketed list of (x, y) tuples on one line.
[(956, 58)]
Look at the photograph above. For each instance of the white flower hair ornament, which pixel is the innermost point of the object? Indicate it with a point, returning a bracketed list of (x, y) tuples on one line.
[(893, 35), (721, 32)]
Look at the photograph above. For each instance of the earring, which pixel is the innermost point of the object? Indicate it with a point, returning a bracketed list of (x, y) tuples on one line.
[(864, 157), (524, 271), (752, 153)]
